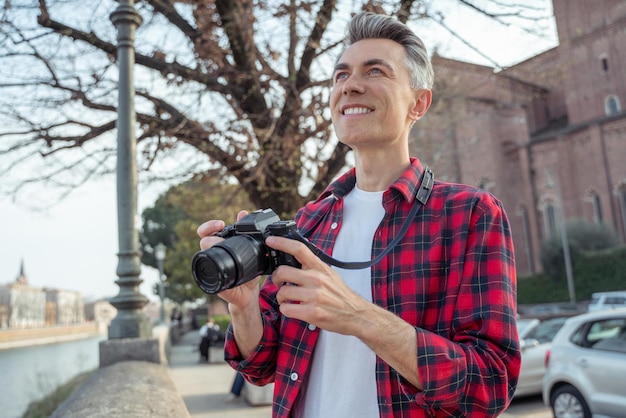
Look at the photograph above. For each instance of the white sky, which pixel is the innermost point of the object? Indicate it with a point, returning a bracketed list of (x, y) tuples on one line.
[(73, 245)]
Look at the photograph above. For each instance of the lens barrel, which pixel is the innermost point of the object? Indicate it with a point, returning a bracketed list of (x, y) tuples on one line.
[(230, 263)]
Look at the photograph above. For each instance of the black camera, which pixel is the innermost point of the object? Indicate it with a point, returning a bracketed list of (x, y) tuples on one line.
[(243, 255)]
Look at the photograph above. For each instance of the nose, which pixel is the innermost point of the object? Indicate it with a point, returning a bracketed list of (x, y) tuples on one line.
[(352, 85)]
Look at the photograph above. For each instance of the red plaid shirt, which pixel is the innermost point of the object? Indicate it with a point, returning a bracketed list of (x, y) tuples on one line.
[(452, 277)]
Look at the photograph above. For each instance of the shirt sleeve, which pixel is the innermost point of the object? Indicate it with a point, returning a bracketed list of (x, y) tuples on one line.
[(259, 368), (475, 367)]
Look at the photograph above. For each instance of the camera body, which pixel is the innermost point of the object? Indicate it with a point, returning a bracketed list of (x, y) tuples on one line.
[(243, 255)]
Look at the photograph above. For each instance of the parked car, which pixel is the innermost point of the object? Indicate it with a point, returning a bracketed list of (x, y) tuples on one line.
[(550, 310), (586, 367), (607, 300), (535, 339)]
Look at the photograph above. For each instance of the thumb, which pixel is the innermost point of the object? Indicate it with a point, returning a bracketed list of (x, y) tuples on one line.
[(241, 214)]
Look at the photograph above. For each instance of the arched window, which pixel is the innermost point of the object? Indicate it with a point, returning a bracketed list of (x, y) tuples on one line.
[(523, 214), (550, 220), (612, 105), (605, 64), (597, 209)]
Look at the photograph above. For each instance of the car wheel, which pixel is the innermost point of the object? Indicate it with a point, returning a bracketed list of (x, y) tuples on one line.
[(567, 402)]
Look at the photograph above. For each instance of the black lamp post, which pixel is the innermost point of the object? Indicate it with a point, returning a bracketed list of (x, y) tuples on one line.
[(159, 254), (131, 321)]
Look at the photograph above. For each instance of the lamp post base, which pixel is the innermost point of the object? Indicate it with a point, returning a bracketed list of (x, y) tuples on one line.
[(128, 349), (130, 324)]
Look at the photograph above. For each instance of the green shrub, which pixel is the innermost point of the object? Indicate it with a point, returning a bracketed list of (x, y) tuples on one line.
[(593, 271), (222, 321), (582, 236)]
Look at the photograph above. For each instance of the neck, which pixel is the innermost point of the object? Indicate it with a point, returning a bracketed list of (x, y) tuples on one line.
[(378, 173)]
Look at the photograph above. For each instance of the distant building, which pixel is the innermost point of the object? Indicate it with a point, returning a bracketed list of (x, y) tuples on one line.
[(547, 135), (68, 306), (23, 306), (101, 312)]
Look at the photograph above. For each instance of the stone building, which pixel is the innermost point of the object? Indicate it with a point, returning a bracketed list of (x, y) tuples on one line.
[(102, 313), (23, 306), (546, 136), (68, 306)]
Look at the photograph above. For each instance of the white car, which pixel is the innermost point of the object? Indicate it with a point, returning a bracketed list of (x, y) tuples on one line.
[(586, 367), (607, 300), (535, 340)]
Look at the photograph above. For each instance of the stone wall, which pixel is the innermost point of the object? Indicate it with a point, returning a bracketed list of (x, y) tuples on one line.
[(15, 338), (126, 389)]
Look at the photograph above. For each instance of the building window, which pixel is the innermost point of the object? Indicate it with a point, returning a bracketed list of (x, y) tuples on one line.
[(612, 105), (550, 220), (605, 64), (523, 213), (597, 208)]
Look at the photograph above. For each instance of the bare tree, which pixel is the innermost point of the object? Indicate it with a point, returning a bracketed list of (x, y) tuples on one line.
[(230, 89)]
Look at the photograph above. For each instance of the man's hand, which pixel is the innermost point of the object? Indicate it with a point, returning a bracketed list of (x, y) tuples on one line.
[(315, 293), (243, 300), (240, 296)]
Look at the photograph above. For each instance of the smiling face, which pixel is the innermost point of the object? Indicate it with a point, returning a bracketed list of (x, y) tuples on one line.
[(372, 102)]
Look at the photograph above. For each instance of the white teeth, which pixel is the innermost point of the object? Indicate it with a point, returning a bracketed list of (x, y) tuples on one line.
[(356, 111)]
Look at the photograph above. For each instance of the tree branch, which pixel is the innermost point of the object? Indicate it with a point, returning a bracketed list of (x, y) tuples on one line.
[(238, 24), (313, 43), (154, 62), (169, 11)]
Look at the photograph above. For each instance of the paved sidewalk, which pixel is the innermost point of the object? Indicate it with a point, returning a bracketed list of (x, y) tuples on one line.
[(205, 387)]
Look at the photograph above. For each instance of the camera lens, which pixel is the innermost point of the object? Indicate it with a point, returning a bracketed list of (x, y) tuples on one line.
[(230, 263)]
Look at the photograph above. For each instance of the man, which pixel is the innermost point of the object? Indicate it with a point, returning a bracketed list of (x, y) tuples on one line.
[(427, 331), (208, 336)]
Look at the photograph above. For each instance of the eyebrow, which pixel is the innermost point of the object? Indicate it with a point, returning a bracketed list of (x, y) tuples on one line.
[(369, 63)]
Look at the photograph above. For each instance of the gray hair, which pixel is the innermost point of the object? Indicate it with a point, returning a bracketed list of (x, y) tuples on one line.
[(368, 25)]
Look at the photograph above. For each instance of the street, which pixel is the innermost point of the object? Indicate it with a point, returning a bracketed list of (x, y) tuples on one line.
[(528, 407)]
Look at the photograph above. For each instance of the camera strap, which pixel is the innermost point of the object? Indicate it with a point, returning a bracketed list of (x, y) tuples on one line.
[(421, 197)]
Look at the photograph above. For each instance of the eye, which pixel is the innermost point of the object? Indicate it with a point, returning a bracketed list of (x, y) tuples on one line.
[(341, 75), (375, 71)]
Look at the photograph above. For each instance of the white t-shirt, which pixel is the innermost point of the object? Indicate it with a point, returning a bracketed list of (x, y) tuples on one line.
[(342, 380)]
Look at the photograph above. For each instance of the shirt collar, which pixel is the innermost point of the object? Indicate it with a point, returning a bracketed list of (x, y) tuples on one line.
[(406, 185)]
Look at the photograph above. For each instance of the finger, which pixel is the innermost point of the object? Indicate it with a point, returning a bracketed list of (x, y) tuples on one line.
[(243, 295), (209, 241), (241, 214), (288, 293), (286, 275), (296, 248), (210, 228)]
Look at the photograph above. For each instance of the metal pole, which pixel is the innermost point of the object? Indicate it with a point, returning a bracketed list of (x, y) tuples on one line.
[(162, 296), (564, 241), (568, 261), (131, 321), (159, 255)]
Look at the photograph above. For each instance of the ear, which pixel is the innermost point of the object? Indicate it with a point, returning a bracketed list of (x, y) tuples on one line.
[(423, 99)]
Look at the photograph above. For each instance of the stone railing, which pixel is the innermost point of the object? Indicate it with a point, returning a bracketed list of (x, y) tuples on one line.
[(133, 381), (126, 389)]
